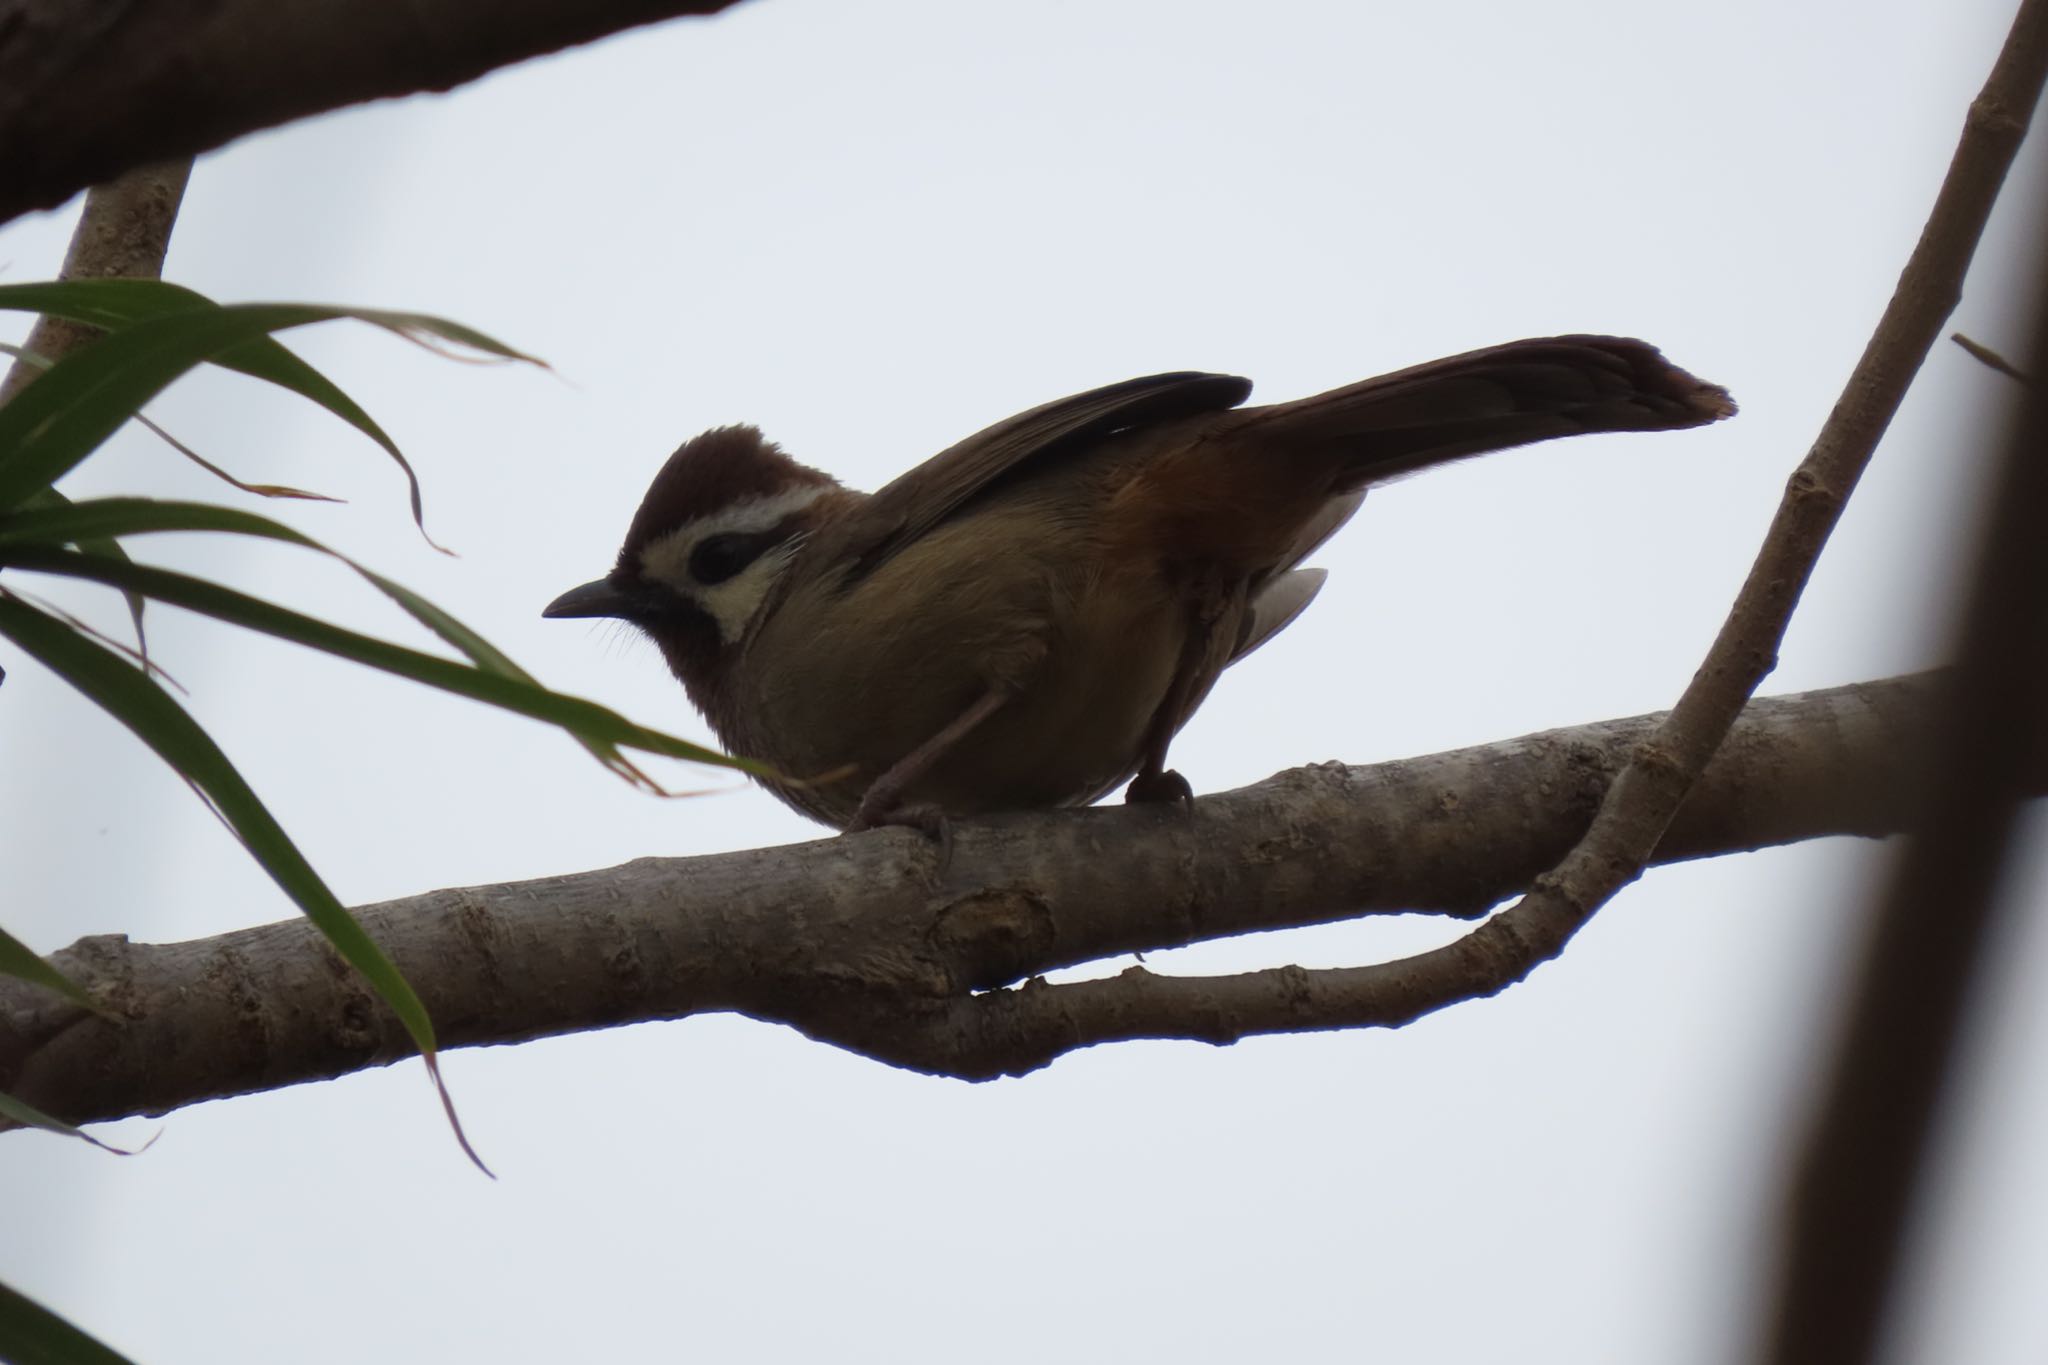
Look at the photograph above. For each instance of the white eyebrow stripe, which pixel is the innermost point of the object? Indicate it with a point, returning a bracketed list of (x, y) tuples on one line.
[(731, 604), (668, 557)]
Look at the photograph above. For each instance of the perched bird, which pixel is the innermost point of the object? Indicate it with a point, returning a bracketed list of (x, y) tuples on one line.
[(1027, 618)]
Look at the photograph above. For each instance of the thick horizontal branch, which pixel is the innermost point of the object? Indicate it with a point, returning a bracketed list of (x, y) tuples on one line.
[(92, 88), (864, 941)]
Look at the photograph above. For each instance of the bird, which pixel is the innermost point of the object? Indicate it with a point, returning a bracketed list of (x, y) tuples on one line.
[(1025, 620)]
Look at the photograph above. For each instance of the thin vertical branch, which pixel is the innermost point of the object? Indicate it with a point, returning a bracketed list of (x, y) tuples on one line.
[(1638, 807)]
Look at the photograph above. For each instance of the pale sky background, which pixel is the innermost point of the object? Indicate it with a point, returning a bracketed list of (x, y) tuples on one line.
[(876, 227)]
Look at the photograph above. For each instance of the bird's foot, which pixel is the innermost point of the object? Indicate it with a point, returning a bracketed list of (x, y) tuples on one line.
[(1165, 785), (923, 817)]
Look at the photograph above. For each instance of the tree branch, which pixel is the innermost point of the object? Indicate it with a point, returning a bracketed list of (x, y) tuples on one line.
[(92, 88), (1649, 790), (123, 232), (862, 941)]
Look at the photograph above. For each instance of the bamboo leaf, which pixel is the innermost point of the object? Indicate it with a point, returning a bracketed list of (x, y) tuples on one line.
[(99, 545), (32, 539), (261, 490), (511, 691), (107, 304), (84, 398), (109, 518), (123, 306), (131, 697)]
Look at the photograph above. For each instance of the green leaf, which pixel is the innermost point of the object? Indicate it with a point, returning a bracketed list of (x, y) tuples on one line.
[(28, 1116), (17, 959), (106, 304), (114, 304), (107, 518), (84, 398), (101, 545), (126, 306), (128, 695), (261, 490), (131, 697), (31, 1334), (32, 539)]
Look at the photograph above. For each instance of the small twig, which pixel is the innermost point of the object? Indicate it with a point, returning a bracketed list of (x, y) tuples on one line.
[(1984, 354), (1852, 1195), (122, 233)]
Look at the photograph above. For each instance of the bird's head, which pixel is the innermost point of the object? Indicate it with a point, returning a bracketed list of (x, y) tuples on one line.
[(714, 534)]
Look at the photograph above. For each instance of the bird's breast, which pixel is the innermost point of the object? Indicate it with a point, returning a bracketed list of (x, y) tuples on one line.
[(842, 681)]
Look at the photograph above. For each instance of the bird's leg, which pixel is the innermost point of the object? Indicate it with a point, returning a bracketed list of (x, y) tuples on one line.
[(882, 803), (1155, 781)]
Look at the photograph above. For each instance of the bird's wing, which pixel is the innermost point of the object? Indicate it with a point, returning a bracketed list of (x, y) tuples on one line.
[(912, 504)]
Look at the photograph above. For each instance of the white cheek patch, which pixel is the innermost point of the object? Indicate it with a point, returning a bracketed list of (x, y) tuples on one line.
[(731, 604), (734, 603)]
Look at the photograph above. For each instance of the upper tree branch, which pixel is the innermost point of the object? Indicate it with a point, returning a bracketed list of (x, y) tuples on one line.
[(861, 941), (123, 232), (91, 88)]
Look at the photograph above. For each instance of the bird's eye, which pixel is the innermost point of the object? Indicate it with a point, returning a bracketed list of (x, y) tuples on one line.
[(717, 558)]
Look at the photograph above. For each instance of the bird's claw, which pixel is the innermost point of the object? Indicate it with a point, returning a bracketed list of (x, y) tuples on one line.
[(1165, 785), (926, 819)]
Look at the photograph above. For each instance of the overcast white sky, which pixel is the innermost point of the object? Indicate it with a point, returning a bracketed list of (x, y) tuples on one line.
[(873, 228)]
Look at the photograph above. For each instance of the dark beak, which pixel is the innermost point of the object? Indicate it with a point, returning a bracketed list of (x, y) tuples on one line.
[(602, 598)]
